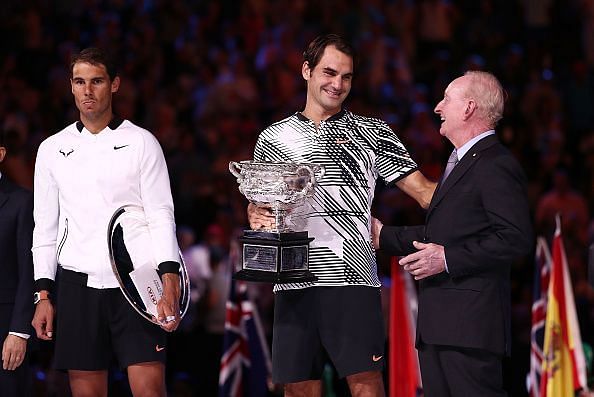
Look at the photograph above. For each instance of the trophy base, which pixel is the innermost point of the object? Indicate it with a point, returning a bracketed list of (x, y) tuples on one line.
[(275, 257), (276, 278), (270, 235)]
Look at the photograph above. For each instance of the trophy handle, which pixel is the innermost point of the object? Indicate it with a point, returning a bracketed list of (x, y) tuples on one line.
[(320, 171), (314, 175), (235, 169), (312, 179)]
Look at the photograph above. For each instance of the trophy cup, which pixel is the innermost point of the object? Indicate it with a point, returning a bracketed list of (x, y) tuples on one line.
[(279, 255), (128, 239)]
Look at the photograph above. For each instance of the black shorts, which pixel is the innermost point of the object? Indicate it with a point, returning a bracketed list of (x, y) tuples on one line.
[(94, 325), (343, 325)]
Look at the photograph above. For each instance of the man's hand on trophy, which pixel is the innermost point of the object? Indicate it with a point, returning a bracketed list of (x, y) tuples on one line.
[(168, 306), (260, 217)]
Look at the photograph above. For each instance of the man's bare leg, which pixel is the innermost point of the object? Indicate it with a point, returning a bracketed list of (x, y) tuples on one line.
[(308, 388), (88, 383), (147, 379), (366, 384)]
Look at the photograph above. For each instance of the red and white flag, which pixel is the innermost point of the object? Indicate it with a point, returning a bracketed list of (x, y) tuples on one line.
[(564, 365), (245, 364), (404, 376), (542, 273)]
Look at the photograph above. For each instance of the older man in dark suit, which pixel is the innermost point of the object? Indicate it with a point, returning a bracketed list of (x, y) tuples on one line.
[(477, 224), (16, 285)]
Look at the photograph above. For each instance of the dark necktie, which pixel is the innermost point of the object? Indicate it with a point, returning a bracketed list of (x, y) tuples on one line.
[(452, 161)]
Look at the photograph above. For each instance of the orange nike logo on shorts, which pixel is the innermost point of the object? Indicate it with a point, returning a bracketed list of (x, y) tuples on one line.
[(159, 348), (376, 358)]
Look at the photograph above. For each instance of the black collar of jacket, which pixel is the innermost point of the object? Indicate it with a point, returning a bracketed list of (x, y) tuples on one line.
[(334, 117), (113, 124)]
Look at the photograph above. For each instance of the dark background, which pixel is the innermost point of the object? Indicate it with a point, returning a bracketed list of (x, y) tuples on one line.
[(206, 76)]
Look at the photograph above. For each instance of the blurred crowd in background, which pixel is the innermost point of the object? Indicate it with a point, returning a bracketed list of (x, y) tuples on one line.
[(207, 76)]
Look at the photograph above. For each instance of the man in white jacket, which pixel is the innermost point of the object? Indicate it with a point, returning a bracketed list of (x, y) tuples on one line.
[(83, 174)]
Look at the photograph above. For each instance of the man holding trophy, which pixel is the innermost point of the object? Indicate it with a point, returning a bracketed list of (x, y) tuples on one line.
[(82, 175), (337, 316)]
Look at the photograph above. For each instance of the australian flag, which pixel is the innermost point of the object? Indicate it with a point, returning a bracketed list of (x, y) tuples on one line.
[(542, 272), (245, 363)]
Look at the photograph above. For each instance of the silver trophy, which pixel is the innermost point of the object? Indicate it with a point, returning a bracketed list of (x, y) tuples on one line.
[(279, 255), (129, 243)]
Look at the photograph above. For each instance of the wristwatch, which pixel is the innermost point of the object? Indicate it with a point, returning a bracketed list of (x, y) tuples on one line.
[(39, 296)]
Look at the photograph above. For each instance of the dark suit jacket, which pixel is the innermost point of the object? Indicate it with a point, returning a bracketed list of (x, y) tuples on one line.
[(16, 265), (481, 216)]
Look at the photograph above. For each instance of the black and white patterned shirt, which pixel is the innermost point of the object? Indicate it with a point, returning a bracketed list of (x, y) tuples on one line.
[(355, 151)]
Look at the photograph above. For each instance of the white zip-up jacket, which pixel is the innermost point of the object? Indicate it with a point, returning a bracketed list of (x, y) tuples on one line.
[(81, 179)]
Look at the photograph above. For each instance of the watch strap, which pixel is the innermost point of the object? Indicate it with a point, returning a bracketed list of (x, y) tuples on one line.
[(41, 295)]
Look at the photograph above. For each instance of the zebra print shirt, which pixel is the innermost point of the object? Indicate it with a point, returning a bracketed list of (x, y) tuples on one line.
[(355, 151)]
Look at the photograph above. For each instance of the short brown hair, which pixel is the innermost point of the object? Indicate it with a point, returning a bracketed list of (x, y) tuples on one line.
[(315, 49), (96, 56)]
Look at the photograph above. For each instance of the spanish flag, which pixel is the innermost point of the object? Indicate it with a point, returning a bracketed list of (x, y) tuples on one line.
[(564, 366)]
